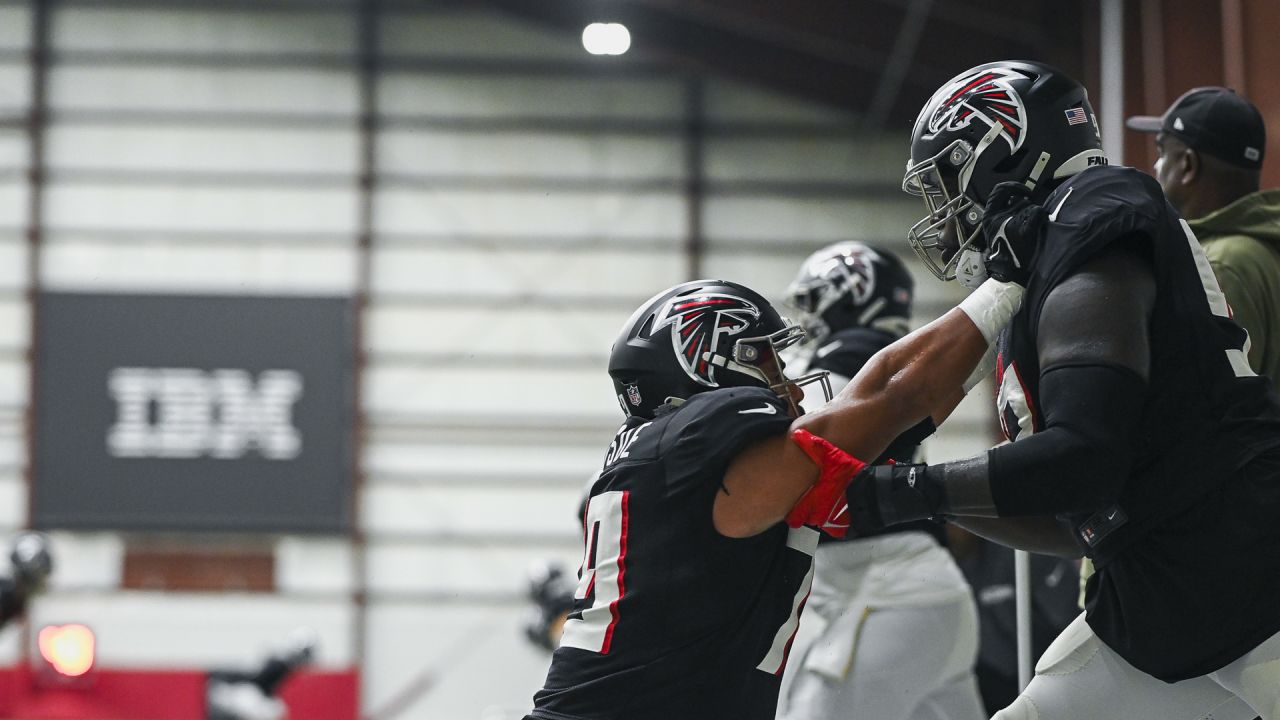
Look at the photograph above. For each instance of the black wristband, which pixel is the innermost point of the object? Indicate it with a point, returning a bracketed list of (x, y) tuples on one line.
[(883, 495)]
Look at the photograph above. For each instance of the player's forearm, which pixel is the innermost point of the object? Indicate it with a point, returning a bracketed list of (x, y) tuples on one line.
[(921, 375), (1043, 535)]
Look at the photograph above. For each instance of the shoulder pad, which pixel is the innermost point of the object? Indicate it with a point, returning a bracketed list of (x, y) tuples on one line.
[(711, 428), (1087, 214)]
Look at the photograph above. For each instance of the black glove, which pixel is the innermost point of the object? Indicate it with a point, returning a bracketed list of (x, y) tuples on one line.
[(1012, 224), (883, 495), (551, 590)]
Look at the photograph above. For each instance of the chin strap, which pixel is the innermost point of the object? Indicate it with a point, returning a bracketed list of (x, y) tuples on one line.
[(824, 505)]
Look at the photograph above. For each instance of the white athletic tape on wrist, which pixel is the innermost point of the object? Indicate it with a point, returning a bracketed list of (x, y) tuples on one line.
[(992, 306)]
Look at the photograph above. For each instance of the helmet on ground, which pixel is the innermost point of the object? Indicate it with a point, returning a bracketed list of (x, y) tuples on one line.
[(851, 285), (699, 336), (1003, 121)]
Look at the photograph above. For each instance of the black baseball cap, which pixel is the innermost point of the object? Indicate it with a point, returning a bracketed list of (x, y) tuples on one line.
[(1215, 121)]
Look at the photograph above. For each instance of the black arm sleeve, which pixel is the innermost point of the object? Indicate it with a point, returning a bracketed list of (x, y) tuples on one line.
[(1079, 462)]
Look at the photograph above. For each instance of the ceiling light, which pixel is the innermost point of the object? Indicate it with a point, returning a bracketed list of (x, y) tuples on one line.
[(606, 38)]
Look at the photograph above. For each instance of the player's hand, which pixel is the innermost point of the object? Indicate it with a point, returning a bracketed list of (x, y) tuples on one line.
[(884, 495), (1012, 224), (551, 590)]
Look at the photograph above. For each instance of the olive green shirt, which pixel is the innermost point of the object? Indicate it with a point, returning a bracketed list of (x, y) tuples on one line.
[(1242, 242)]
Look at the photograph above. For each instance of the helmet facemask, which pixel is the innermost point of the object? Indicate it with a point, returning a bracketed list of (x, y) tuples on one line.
[(759, 357), (941, 182)]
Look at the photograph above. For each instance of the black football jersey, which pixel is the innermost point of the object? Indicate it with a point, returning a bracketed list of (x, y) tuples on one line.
[(673, 620), (843, 354), (1206, 415)]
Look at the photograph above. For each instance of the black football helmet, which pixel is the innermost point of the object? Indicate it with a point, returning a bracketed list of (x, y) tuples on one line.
[(700, 336), (1003, 121), (852, 285)]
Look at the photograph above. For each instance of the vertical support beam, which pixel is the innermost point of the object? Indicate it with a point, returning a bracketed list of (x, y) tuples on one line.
[(37, 119), (1111, 56), (367, 14), (1154, 86), (1233, 50), (695, 172), (1022, 616)]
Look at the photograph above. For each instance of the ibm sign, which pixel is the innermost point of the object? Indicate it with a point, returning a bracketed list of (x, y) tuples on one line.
[(194, 413)]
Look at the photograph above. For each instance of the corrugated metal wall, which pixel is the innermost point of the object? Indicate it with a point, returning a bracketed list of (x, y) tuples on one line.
[(498, 200)]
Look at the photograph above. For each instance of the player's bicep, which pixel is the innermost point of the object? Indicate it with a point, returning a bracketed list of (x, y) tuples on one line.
[(1100, 315), (761, 485)]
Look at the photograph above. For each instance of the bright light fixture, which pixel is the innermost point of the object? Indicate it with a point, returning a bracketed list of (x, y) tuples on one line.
[(606, 38), (68, 648)]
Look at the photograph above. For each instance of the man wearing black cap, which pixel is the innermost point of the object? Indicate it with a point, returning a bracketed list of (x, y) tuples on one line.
[(1211, 144)]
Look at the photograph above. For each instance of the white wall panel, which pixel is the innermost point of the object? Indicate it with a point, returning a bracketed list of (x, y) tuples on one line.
[(546, 392), (472, 34), (471, 511), (171, 207), (86, 561), (193, 149), (15, 88), (13, 276), (314, 565), (603, 157), (476, 658), (14, 203), (807, 160), (13, 384), (15, 27), (189, 88), (497, 97), (13, 501), (537, 332), (76, 264), (493, 569), (175, 630), (729, 101), (526, 214), (14, 153), (197, 30), (497, 458), (477, 271), (820, 219)]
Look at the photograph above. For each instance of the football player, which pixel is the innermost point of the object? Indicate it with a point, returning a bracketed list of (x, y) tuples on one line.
[(1141, 437), (699, 534), (890, 629)]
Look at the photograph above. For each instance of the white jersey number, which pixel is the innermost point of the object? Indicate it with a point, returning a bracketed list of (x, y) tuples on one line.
[(603, 571)]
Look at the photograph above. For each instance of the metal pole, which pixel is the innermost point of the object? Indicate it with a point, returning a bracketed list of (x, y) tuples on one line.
[(1022, 594), (1111, 60)]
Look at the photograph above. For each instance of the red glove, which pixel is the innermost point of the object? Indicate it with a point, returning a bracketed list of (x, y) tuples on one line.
[(823, 505)]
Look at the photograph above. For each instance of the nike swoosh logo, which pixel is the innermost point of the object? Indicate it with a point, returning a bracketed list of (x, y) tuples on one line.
[(1053, 216), (766, 410)]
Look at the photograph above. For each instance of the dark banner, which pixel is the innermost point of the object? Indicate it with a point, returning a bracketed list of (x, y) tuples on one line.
[(195, 413)]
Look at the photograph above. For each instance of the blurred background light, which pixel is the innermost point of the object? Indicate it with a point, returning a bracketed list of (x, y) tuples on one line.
[(606, 38), (69, 649)]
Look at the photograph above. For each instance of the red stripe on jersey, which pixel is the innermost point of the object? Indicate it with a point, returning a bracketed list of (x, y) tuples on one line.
[(786, 652), (622, 572)]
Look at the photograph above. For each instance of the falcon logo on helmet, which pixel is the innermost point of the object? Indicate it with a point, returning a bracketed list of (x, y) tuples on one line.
[(985, 95), (699, 323)]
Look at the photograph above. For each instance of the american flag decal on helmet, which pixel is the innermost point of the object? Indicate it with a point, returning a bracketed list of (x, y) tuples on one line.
[(987, 96), (700, 322)]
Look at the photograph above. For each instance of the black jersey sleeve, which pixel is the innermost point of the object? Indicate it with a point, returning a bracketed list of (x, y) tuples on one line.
[(711, 428), (1089, 213)]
